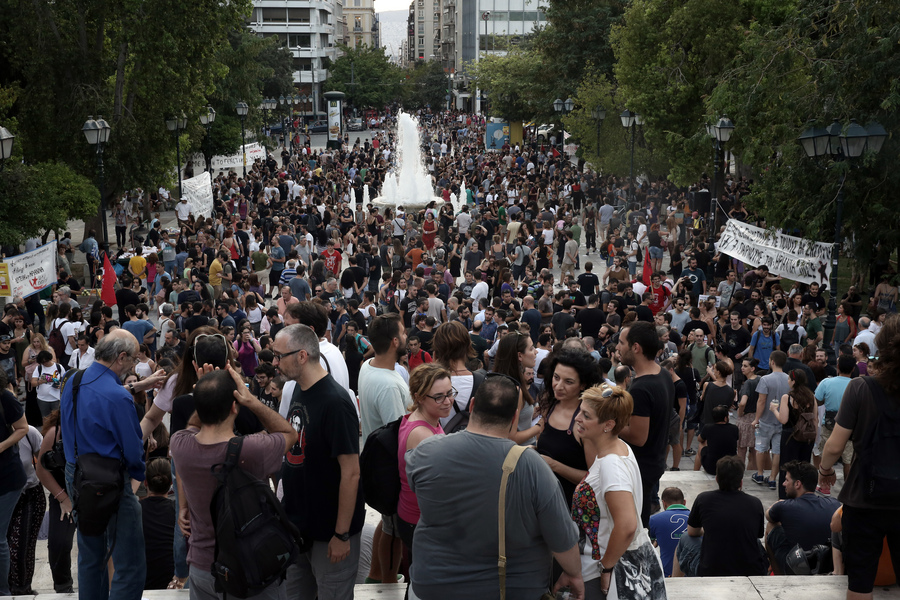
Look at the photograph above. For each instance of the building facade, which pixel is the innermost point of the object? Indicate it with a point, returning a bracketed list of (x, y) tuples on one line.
[(312, 31), (363, 26)]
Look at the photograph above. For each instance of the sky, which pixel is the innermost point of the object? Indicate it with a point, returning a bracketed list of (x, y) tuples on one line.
[(386, 5)]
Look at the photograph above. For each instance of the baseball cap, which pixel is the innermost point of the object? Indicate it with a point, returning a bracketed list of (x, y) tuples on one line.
[(5, 338)]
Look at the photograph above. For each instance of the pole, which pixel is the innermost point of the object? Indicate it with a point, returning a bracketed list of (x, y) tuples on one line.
[(831, 319), (178, 158), (244, 148), (631, 176), (715, 190), (105, 245), (598, 137), (208, 150)]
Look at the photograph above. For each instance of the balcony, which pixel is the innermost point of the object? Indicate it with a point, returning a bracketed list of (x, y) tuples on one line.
[(357, 29)]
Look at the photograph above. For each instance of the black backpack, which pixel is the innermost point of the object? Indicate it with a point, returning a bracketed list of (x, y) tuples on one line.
[(789, 337), (460, 420), (879, 454), (380, 468), (255, 540)]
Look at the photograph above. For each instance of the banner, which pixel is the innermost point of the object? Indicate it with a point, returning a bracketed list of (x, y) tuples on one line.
[(235, 162), (198, 191), (31, 272), (495, 135), (785, 255), (334, 120)]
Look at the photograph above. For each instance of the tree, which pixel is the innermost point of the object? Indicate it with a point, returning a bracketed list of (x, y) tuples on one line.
[(825, 61), (366, 75), (425, 85), (516, 85), (42, 198)]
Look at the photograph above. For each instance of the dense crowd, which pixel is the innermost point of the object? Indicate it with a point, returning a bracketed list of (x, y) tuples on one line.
[(539, 305)]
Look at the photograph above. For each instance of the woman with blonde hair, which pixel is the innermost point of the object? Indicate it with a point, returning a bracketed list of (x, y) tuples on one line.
[(607, 504), (432, 394)]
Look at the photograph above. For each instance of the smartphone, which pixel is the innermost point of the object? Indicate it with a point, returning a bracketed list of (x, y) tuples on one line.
[(536, 420)]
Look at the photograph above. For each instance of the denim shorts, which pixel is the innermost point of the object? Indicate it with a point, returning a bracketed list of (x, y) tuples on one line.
[(656, 252), (769, 436)]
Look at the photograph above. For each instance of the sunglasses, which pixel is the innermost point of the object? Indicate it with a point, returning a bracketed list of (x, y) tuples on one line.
[(208, 335)]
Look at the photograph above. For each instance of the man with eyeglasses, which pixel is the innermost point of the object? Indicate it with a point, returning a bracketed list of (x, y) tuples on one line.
[(680, 317), (320, 473), (107, 425), (383, 398)]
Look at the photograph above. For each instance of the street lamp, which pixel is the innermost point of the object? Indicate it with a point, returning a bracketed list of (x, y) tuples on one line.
[(598, 113), (242, 109), (720, 133), (629, 121), (97, 135), (843, 145), (281, 102), (176, 124), (562, 109), (6, 145), (207, 118)]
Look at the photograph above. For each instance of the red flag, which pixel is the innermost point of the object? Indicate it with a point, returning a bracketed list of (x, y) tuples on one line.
[(108, 293), (645, 275)]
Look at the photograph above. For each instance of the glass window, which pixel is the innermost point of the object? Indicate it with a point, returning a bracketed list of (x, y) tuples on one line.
[(274, 15)]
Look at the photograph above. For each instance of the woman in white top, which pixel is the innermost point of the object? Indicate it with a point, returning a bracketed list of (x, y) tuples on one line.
[(452, 347), (144, 367), (46, 380), (617, 559)]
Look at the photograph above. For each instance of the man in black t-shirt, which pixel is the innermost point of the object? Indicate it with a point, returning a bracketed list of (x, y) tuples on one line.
[(654, 395), (591, 319), (321, 471), (731, 523), (718, 439), (587, 281), (815, 298), (735, 336)]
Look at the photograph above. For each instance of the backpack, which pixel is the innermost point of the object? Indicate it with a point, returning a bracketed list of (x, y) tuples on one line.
[(805, 428), (789, 337), (879, 454), (57, 341), (255, 540), (709, 351), (380, 468), (460, 420)]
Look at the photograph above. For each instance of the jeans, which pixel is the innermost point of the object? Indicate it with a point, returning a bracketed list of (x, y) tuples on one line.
[(314, 576), (8, 501), (60, 535), (125, 531), (203, 587)]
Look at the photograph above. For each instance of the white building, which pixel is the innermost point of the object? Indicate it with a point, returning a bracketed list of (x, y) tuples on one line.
[(311, 29)]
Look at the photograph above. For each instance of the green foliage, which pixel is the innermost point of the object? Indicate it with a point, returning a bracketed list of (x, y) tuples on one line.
[(516, 85), (366, 75), (425, 85), (41, 198), (827, 60)]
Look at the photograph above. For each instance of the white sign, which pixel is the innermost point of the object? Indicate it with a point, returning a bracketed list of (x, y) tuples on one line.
[(786, 255), (334, 120), (235, 162), (31, 272), (198, 191)]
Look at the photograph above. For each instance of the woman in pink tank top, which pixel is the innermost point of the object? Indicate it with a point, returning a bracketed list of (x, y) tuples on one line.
[(432, 394)]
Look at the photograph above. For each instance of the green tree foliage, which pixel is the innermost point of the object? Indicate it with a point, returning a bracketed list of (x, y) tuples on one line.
[(40, 198), (578, 33), (425, 85), (516, 85), (827, 60), (366, 75)]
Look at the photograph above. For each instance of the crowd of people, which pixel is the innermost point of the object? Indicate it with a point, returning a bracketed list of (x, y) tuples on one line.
[(557, 310)]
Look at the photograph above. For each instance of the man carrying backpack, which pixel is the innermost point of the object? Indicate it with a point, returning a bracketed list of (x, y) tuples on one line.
[(218, 397), (790, 332)]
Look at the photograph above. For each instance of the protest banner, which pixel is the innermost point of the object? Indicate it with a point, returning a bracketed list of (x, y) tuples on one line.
[(786, 255), (31, 272), (198, 191), (234, 162)]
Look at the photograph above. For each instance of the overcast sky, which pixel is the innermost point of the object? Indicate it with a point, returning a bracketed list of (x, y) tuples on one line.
[(386, 5)]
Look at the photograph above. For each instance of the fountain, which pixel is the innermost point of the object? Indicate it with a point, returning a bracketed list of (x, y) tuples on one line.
[(408, 184), (366, 199)]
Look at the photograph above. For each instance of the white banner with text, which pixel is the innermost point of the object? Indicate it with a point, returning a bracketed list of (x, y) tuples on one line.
[(198, 191), (31, 272), (786, 255)]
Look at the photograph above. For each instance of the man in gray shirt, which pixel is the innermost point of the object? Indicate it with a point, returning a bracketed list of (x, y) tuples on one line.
[(771, 388), (456, 540)]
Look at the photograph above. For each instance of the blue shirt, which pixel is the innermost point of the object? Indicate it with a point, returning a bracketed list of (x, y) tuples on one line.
[(831, 391), (763, 347), (666, 528), (278, 252), (107, 421), (138, 328), (300, 289)]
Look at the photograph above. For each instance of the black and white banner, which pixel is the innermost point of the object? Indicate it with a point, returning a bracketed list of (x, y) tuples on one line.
[(785, 255)]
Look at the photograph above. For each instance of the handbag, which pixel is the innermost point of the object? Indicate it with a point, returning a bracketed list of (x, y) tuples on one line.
[(98, 484)]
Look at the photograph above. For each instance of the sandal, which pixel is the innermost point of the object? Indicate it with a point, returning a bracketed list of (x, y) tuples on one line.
[(177, 583)]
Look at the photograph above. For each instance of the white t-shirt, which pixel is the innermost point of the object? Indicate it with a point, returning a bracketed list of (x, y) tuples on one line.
[(383, 397), (183, 210), (79, 361), (612, 473), (71, 329), (463, 385), (480, 291), (45, 390), (464, 220)]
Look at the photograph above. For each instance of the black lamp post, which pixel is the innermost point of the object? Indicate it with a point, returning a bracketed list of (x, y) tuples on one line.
[(6, 145), (176, 124), (720, 133), (839, 144), (598, 113), (629, 121), (207, 118), (282, 101), (562, 109), (97, 135), (242, 109)]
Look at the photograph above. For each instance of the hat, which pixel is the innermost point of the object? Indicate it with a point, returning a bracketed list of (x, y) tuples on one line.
[(5, 338), (695, 214)]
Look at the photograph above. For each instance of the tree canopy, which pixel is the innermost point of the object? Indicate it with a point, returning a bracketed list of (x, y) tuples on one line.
[(366, 75)]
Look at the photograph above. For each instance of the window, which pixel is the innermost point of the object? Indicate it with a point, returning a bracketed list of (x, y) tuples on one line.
[(274, 15), (421, 41), (357, 3), (299, 40), (298, 15)]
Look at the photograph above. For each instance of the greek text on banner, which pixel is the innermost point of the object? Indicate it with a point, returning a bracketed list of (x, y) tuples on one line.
[(198, 191), (31, 272), (786, 255)]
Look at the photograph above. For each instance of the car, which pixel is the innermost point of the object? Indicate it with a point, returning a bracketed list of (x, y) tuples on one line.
[(318, 127), (355, 125)]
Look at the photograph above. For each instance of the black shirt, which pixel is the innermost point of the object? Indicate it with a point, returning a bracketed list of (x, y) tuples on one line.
[(736, 341), (327, 427), (721, 440), (732, 524), (591, 320), (195, 321), (588, 282), (653, 397), (644, 313), (157, 516), (818, 300), (695, 324)]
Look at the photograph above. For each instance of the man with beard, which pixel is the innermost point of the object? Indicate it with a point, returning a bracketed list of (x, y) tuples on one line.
[(383, 398), (654, 397)]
